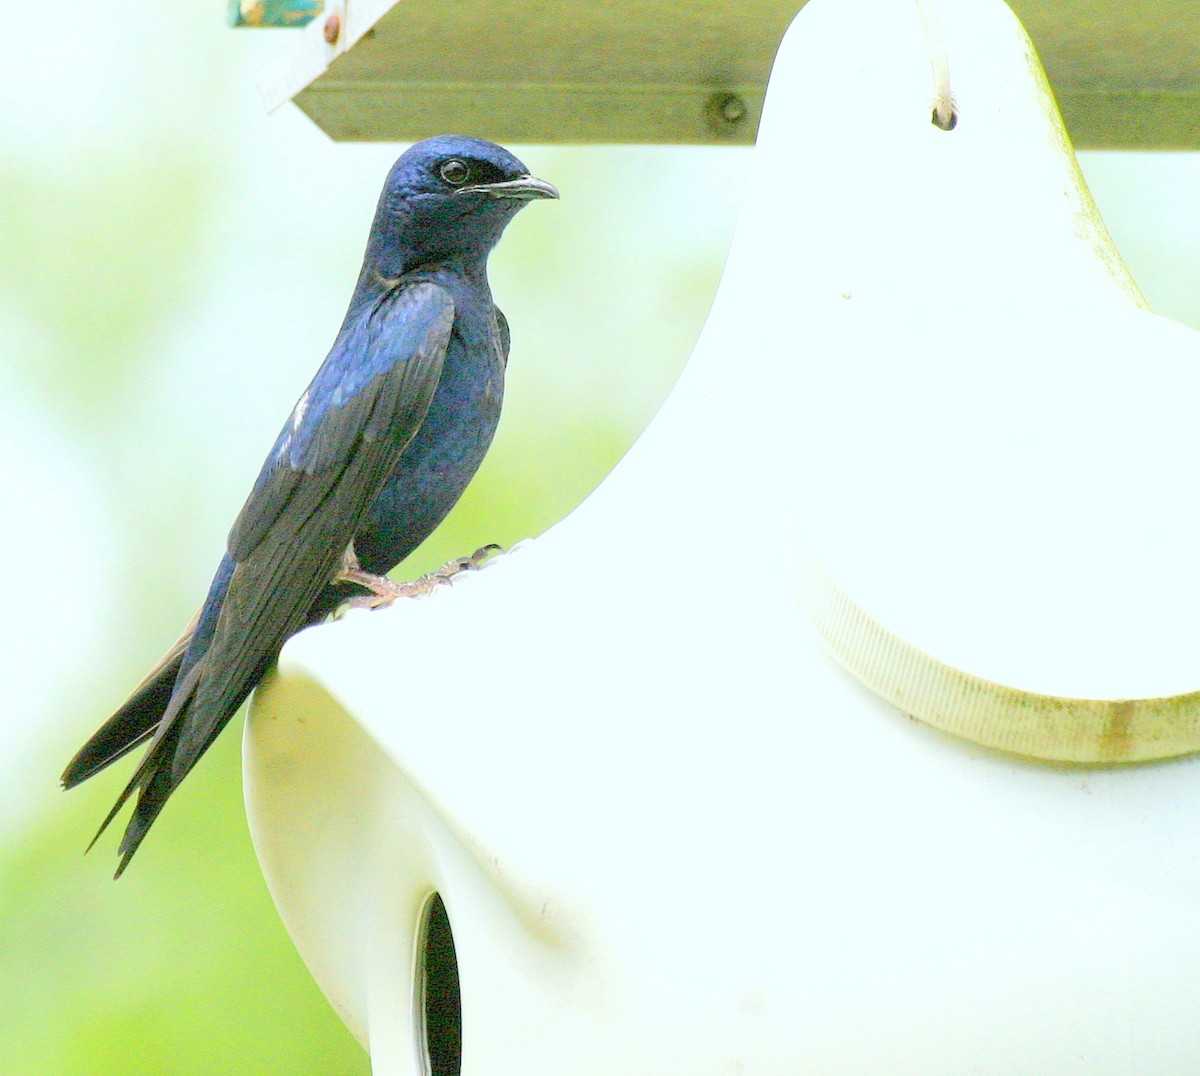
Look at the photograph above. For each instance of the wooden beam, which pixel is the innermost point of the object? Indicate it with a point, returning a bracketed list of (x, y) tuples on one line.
[(678, 71)]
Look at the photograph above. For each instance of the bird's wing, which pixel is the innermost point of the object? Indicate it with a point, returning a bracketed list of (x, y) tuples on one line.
[(340, 444), (373, 391)]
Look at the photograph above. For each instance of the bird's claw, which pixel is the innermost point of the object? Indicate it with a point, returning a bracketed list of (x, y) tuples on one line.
[(478, 559)]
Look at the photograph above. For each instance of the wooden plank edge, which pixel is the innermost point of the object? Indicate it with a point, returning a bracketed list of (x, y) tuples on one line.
[(541, 114)]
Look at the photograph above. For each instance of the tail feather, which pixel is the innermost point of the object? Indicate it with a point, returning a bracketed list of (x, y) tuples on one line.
[(180, 713), (162, 769), (134, 723), (154, 787), (152, 780), (155, 711)]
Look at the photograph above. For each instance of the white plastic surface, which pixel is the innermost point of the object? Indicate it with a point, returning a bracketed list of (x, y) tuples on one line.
[(992, 440), (673, 837)]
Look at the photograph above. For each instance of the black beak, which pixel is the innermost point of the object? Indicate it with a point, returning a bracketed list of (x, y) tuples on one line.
[(522, 189)]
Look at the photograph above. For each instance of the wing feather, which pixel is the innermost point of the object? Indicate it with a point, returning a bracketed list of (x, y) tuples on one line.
[(375, 386), (340, 445)]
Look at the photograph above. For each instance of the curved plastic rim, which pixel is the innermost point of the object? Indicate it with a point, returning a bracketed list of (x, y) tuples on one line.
[(1050, 727)]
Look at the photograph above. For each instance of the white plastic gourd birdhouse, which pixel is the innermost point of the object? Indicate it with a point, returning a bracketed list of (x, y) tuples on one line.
[(680, 821)]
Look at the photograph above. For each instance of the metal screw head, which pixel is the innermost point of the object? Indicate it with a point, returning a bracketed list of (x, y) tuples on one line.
[(732, 108), (726, 113)]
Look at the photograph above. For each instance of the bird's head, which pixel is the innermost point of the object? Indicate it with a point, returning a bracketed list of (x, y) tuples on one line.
[(450, 196)]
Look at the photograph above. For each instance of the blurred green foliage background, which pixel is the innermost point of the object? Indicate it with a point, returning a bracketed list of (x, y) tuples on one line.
[(173, 266)]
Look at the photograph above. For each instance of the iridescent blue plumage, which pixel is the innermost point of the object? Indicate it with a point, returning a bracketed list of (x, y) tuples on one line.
[(377, 450)]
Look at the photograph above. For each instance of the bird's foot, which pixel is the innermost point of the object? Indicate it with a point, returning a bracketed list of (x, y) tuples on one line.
[(384, 591), (479, 559)]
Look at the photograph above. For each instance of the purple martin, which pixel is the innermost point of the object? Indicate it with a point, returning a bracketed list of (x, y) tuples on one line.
[(375, 453)]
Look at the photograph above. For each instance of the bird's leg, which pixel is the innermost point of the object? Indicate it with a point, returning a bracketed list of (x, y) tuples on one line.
[(384, 591), (380, 589)]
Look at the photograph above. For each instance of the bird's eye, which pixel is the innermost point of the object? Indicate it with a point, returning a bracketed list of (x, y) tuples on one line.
[(455, 172)]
